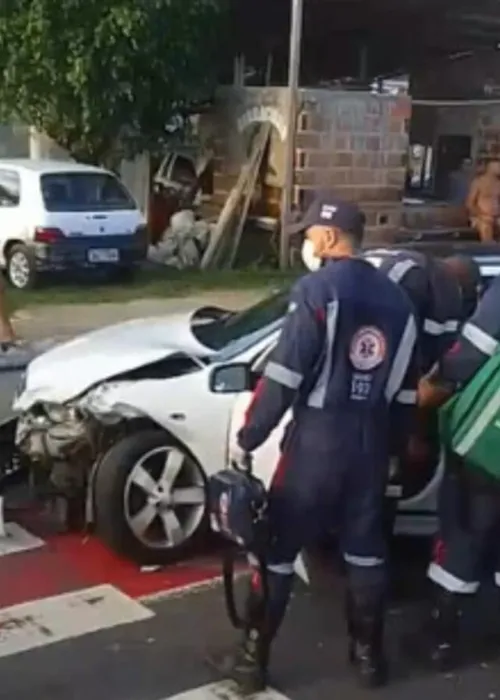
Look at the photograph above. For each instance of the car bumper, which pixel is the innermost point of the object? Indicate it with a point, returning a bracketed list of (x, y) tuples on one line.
[(76, 252)]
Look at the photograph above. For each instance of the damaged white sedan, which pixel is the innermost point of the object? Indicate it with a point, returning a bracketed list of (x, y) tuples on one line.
[(125, 423)]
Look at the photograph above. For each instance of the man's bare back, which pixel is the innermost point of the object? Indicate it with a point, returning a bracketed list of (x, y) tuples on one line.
[(483, 203)]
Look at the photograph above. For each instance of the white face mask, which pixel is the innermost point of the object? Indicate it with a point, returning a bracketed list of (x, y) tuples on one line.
[(309, 257)]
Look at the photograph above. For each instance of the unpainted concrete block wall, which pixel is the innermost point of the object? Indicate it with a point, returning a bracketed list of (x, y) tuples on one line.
[(355, 143)]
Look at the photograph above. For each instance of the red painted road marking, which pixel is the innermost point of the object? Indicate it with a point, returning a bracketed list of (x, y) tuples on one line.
[(74, 561), (68, 563)]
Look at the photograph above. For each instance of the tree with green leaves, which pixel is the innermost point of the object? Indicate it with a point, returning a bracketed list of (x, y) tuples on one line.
[(103, 77)]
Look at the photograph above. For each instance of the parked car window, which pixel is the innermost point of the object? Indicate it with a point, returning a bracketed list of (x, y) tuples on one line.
[(75, 192), (10, 188), (237, 332)]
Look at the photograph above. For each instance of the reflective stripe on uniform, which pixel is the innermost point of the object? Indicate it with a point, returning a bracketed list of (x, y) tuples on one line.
[(285, 568), (399, 270), (450, 583), (407, 397), (435, 328), (475, 431), (374, 260), (363, 561), (497, 578), (282, 375), (401, 359), (317, 396), (481, 340)]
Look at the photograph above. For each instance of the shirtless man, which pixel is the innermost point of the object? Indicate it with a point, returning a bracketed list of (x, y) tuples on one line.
[(483, 202)]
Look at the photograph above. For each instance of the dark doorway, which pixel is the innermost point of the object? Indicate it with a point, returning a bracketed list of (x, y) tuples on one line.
[(451, 152)]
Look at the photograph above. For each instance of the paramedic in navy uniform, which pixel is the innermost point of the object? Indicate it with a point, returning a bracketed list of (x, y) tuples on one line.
[(469, 506), (443, 292), (346, 361)]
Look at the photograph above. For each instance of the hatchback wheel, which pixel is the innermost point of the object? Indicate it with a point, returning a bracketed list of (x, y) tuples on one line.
[(150, 498), (20, 269)]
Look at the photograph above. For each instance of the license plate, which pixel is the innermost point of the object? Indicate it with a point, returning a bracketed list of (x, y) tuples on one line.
[(104, 255)]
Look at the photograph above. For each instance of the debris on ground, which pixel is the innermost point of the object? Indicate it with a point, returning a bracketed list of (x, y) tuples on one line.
[(183, 243)]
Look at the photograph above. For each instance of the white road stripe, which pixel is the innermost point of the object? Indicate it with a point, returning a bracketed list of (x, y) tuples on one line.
[(58, 618), (224, 690), (17, 539)]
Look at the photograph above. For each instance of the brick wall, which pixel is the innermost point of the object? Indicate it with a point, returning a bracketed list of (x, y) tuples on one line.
[(488, 133), (353, 142), (357, 144)]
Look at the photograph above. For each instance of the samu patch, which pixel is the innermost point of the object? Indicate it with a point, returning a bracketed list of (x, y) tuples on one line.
[(368, 348)]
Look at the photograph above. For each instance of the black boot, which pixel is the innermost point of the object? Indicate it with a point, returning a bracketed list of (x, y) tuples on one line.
[(368, 652), (444, 630), (248, 664), (351, 628)]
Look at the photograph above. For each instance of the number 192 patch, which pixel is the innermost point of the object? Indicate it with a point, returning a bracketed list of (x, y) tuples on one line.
[(368, 348), (361, 385)]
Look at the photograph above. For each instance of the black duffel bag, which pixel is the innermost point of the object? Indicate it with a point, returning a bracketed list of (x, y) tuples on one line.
[(238, 506)]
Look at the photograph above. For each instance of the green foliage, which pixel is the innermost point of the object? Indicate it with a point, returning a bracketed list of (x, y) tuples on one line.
[(105, 76)]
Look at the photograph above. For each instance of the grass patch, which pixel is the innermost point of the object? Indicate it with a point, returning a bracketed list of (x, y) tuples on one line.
[(152, 284)]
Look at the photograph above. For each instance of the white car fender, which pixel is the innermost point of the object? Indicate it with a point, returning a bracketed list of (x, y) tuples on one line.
[(182, 405)]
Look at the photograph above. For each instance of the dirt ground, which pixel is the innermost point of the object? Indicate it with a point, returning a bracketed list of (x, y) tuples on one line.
[(64, 321)]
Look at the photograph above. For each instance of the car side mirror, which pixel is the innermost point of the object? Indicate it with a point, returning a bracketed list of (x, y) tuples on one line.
[(231, 379)]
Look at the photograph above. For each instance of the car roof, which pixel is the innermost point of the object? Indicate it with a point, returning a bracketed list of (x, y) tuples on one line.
[(47, 166)]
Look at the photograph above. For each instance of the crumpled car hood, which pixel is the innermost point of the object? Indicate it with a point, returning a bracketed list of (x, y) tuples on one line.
[(72, 368)]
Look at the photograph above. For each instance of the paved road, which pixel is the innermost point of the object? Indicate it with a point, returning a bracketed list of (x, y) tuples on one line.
[(9, 381), (71, 319), (162, 657)]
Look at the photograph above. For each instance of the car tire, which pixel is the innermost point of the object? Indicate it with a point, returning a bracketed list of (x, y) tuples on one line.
[(125, 501), (20, 267)]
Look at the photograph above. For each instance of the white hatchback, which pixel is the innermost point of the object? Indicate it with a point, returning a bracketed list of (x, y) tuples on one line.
[(60, 215)]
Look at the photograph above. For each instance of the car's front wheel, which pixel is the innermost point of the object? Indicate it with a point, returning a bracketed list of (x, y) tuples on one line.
[(150, 498)]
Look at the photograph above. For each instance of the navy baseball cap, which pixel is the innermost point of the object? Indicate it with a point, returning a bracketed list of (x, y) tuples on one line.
[(328, 210)]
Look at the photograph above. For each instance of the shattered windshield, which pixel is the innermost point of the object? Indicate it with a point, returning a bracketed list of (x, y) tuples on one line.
[(238, 331)]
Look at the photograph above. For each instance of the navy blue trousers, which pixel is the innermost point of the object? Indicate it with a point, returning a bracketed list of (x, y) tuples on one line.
[(323, 483), (469, 529)]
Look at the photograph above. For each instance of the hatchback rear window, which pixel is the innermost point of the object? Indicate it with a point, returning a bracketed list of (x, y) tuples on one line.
[(74, 191)]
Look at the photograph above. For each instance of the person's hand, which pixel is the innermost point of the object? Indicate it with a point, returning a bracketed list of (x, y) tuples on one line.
[(417, 449), (431, 394), (238, 456)]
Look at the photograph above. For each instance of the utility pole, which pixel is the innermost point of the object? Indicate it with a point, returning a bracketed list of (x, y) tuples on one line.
[(291, 121), (36, 144)]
